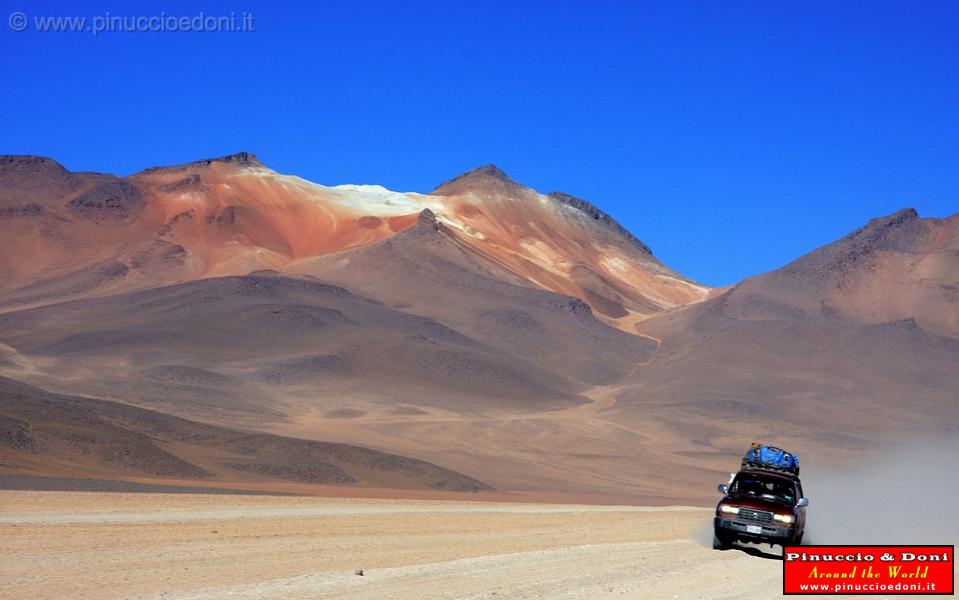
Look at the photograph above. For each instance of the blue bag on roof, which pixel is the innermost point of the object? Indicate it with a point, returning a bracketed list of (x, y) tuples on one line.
[(771, 458)]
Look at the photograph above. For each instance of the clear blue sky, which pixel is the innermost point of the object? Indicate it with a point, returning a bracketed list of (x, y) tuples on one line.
[(731, 137)]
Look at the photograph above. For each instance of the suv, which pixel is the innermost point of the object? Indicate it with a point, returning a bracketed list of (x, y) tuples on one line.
[(760, 505)]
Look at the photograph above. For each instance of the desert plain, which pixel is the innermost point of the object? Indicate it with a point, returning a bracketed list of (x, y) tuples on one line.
[(192, 546)]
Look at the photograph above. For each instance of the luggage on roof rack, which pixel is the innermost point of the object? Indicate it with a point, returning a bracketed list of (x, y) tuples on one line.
[(771, 458)]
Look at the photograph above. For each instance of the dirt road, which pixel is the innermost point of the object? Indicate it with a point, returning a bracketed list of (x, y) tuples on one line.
[(97, 545)]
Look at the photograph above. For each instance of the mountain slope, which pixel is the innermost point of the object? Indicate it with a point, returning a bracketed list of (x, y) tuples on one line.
[(895, 267), (565, 244), (266, 347), (849, 345), (83, 233), (431, 270), (51, 434)]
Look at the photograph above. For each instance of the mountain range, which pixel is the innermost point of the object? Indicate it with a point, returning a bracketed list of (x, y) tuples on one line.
[(217, 323)]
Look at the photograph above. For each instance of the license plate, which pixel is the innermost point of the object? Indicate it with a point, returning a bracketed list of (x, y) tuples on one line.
[(756, 529)]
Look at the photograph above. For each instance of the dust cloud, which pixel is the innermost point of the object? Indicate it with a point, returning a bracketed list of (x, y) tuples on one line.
[(907, 494)]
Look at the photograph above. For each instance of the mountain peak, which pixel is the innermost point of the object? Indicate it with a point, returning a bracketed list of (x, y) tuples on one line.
[(241, 159), (16, 161), (883, 231), (491, 170), (426, 220), (899, 217), (244, 157), (33, 177), (482, 177), (591, 211), (900, 231)]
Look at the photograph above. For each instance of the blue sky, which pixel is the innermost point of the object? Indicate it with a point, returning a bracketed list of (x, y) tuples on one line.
[(731, 137)]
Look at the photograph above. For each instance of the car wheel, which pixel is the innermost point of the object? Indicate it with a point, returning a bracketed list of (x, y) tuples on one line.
[(720, 542)]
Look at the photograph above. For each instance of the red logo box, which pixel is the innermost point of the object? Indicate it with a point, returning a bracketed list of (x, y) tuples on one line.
[(869, 570)]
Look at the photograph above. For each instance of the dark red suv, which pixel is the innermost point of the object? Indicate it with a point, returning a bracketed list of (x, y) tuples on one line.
[(760, 506)]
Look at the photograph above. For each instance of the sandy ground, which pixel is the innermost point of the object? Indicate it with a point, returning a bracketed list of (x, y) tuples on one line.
[(100, 545)]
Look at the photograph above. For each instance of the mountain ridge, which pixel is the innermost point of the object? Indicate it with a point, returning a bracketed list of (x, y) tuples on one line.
[(232, 215)]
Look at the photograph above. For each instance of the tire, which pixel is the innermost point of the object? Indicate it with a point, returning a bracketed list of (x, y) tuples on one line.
[(720, 541)]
